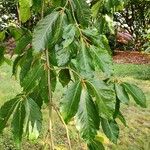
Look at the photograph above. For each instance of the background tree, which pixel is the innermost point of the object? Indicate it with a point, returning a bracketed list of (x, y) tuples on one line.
[(135, 18)]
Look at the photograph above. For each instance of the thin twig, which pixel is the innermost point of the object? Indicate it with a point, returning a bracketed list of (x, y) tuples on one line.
[(50, 100), (19, 19), (42, 10), (63, 122)]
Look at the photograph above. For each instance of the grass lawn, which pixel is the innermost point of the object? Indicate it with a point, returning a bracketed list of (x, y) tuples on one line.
[(134, 137)]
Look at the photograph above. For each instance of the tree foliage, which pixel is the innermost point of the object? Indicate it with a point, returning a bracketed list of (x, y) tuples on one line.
[(67, 46)]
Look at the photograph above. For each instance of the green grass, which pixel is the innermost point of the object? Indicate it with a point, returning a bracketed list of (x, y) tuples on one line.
[(134, 137), (141, 72), (9, 87)]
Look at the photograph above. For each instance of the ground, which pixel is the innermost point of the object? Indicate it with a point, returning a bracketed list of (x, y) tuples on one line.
[(133, 57), (134, 137)]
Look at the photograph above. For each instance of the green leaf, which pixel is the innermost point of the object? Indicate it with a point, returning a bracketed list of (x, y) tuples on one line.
[(36, 96), (25, 64), (70, 101), (44, 31), (95, 145), (121, 118), (104, 97), (69, 16), (32, 77), (52, 55), (6, 111), (16, 32), (64, 77), (96, 7), (82, 12), (62, 55), (111, 129), (37, 5), (84, 61), (117, 108), (22, 38), (121, 94), (87, 118), (2, 35), (58, 3), (58, 30), (15, 64), (68, 35), (102, 59), (43, 85), (33, 119), (67, 49), (100, 50), (2, 51), (17, 123), (136, 93), (24, 9), (22, 43), (98, 40)]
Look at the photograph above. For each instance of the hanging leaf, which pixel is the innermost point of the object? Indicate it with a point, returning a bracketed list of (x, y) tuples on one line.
[(70, 101), (104, 97), (24, 9), (22, 43), (37, 5), (102, 59), (121, 94), (57, 3), (96, 8), (44, 31), (117, 108), (36, 96), (63, 55), (2, 36), (121, 118), (2, 51), (82, 12), (17, 123), (57, 33), (111, 129), (16, 32), (84, 61), (69, 16), (43, 84), (32, 77), (136, 93), (33, 119), (6, 111), (16, 64), (68, 35), (100, 50), (95, 145), (66, 49), (52, 55), (25, 64), (87, 118), (98, 40), (64, 77)]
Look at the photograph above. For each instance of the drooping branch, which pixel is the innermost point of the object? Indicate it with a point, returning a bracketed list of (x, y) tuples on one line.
[(50, 100)]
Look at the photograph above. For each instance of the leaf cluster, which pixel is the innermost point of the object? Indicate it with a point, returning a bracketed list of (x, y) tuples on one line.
[(64, 48)]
